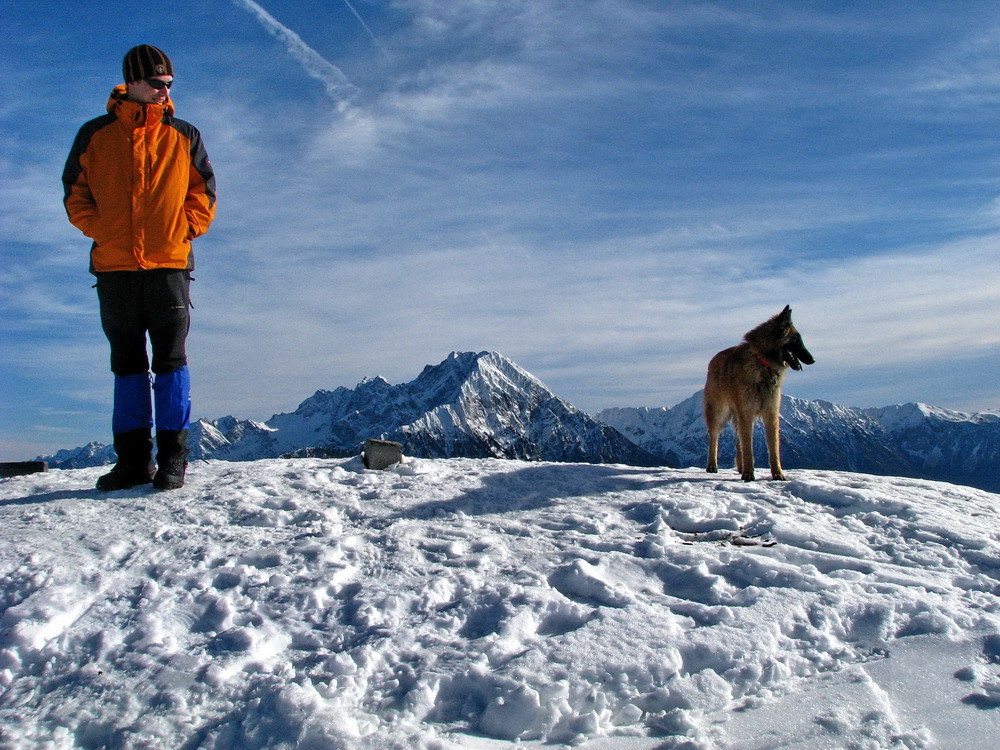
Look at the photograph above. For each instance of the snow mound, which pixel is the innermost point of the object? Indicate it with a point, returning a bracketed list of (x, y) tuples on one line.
[(472, 603)]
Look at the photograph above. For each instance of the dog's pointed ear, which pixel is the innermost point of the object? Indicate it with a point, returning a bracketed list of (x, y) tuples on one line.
[(787, 312)]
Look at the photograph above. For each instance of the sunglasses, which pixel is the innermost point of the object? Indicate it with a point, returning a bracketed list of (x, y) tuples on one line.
[(156, 83)]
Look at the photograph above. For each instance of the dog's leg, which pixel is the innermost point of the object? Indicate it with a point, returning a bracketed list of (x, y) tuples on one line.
[(744, 446), (713, 452), (739, 454), (772, 431), (715, 420)]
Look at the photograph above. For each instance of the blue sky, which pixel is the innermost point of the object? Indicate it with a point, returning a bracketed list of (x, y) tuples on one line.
[(606, 192)]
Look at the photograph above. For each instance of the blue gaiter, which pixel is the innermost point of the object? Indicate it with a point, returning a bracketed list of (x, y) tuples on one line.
[(172, 393), (133, 408)]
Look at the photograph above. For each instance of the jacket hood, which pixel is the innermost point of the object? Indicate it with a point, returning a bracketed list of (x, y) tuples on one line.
[(119, 95)]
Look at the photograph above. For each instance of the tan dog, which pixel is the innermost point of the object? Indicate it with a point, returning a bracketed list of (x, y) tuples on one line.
[(744, 383)]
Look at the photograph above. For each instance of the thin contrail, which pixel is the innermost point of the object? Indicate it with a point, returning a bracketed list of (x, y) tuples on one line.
[(333, 79), (365, 26)]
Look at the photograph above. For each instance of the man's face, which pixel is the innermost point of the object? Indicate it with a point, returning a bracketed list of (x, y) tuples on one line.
[(145, 91)]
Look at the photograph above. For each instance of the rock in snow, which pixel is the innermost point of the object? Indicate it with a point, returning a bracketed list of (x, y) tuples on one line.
[(475, 603)]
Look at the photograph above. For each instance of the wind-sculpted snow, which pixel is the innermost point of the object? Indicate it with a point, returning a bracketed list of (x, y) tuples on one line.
[(309, 603)]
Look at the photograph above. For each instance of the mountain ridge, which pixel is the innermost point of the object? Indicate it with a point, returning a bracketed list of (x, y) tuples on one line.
[(909, 440), (483, 405), (475, 405)]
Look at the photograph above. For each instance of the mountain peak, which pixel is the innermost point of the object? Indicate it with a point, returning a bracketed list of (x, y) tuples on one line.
[(377, 382), (472, 404), (465, 363)]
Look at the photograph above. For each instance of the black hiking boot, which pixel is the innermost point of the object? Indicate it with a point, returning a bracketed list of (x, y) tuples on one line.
[(171, 457), (135, 462)]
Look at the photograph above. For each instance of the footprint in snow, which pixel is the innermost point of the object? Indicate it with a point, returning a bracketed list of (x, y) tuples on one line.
[(986, 675), (581, 581)]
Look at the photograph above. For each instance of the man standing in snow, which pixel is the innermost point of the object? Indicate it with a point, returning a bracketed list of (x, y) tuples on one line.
[(139, 184)]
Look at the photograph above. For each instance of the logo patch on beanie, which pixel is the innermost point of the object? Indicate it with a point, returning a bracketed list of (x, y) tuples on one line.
[(160, 70)]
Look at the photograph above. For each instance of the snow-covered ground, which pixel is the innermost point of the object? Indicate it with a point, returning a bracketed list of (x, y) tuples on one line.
[(473, 603)]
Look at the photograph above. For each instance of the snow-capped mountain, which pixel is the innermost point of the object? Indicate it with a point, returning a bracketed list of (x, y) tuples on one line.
[(91, 454), (483, 405), (909, 440), (948, 445), (471, 405)]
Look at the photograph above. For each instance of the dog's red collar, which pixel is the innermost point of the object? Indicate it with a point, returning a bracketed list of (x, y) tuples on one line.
[(767, 365)]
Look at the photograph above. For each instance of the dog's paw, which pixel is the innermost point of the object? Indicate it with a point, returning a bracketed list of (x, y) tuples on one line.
[(778, 476)]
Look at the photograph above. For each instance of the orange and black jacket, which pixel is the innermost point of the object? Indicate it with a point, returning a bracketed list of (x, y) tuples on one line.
[(139, 183)]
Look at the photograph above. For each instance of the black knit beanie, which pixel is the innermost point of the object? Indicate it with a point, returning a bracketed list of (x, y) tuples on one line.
[(145, 61)]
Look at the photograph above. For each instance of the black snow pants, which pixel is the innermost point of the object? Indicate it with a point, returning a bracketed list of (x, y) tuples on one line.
[(134, 303)]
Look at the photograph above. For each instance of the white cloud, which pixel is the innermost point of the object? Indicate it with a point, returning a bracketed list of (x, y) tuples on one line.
[(606, 325), (337, 86), (970, 64)]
